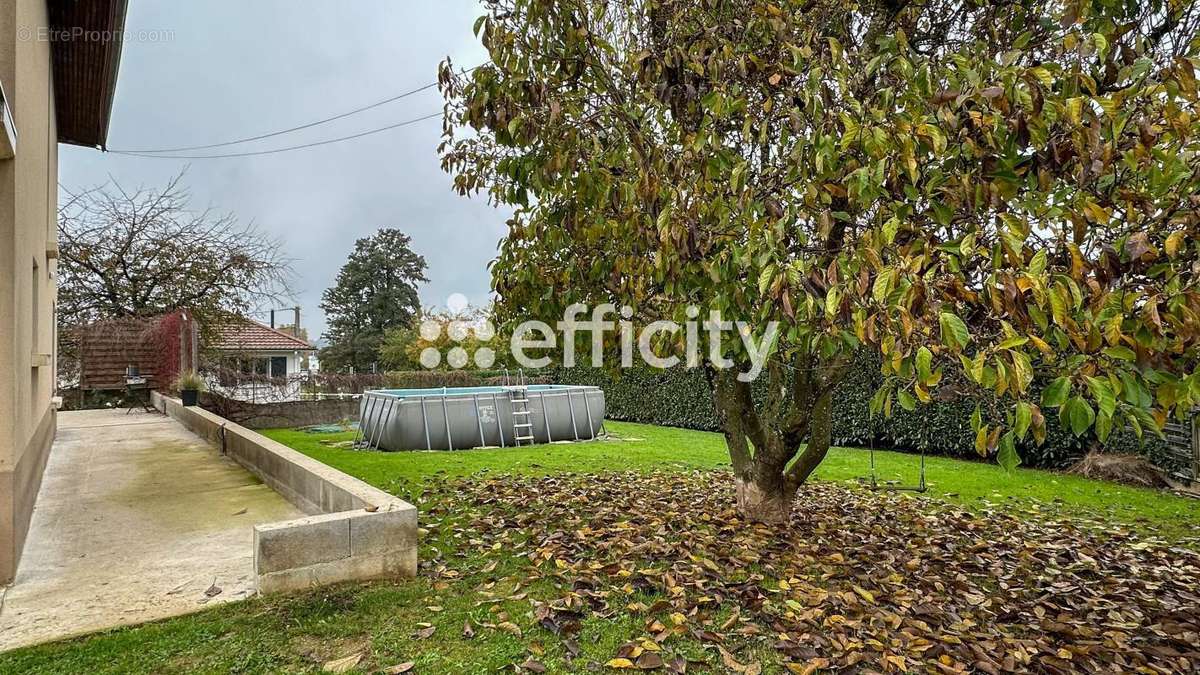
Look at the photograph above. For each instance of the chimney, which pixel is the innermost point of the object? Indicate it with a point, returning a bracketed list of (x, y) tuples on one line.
[(296, 324)]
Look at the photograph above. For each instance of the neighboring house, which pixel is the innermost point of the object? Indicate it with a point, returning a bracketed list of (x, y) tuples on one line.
[(58, 71), (254, 348)]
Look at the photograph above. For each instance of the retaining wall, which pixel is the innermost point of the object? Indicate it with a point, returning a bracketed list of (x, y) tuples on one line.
[(281, 414), (354, 531)]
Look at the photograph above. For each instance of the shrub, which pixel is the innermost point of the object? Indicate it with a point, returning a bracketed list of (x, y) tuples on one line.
[(189, 380)]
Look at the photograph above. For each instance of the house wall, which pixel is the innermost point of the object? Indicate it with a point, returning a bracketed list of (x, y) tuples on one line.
[(28, 197), (296, 360)]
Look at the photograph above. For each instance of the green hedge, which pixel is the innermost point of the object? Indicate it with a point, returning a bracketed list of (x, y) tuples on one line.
[(680, 397)]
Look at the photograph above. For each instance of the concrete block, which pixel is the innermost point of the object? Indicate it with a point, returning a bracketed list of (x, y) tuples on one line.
[(301, 542), (382, 531), (397, 565)]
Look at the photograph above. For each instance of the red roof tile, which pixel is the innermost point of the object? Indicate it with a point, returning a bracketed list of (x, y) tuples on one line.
[(249, 335)]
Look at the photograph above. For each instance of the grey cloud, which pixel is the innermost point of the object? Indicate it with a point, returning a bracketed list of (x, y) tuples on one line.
[(230, 68)]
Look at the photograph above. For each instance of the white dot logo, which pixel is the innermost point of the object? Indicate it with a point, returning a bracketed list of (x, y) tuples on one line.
[(459, 326), (430, 330), (459, 330), (485, 357), (431, 358), (457, 358), (457, 303)]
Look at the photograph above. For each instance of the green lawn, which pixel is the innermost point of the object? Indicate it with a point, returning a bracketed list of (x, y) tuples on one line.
[(643, 447), (481, 588)]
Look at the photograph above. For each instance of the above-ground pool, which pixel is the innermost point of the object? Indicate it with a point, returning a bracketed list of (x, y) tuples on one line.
[(456, 418)]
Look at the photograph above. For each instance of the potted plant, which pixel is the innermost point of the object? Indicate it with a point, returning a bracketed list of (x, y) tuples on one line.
[(189, 385)]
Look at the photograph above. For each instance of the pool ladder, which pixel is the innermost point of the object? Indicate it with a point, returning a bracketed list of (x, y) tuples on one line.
[(522, 427)]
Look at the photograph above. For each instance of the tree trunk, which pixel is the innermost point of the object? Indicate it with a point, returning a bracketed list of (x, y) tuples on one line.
[(765, 499), (773, 450)]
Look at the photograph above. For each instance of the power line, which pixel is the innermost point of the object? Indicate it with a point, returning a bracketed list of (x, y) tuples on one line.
[(411, 92), (287, 149)]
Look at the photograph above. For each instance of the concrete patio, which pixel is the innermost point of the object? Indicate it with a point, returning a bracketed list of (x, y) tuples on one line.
[(137, 519)]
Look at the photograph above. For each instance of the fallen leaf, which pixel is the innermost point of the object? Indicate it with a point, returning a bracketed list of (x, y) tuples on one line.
[(342, 665), (533, 666)]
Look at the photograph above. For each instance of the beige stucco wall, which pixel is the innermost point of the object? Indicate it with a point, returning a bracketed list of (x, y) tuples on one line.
[(28, 197)]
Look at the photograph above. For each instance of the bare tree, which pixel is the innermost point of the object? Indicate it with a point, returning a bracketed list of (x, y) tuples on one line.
[(144, 252)]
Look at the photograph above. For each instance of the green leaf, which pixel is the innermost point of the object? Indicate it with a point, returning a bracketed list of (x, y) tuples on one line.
[(765, 278), (1056, 393), (883, 285), (1078, 415), (954, 331), (976, 419), (1101, 45), (924, 363), (1103, 393), (833, 301), (906, 400), (1103, 427), (1008, 457), (1013, 342), (1120, 352), (1024, 417), (1037, 264)]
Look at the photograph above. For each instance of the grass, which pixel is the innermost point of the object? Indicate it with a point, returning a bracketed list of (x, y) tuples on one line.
[(643, 447), (300, 633)]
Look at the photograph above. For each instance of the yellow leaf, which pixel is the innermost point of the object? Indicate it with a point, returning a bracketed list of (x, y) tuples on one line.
[(809, 668), (864, 594), (624, 664), (981, 441), (1173, 243), (678, 619)]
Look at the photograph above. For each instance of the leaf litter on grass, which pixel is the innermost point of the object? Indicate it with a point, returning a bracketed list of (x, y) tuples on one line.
[(860, 581)]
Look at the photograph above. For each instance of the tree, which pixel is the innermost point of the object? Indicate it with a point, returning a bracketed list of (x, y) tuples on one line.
[(1002, 187), (375, 290), (144, 252)]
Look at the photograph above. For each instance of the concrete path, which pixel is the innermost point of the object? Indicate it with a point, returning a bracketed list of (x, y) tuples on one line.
[(137, 519)]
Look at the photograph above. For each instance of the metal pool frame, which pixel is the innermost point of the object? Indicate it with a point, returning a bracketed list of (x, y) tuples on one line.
[(453, 418)]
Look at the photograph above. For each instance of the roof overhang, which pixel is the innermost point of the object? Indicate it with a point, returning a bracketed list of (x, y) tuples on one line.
[(250, 349), (86, 37)]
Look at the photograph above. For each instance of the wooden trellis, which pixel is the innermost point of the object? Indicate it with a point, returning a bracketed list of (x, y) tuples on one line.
[(1183, 449)]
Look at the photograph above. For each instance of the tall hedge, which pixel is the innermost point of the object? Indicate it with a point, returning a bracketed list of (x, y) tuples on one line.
[(679, 397)]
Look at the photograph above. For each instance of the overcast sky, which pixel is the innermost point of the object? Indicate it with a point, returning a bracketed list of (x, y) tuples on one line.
[(228, 69)]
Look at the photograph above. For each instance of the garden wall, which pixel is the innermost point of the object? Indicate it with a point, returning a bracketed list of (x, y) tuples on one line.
[(355, 532), (281, 414)]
